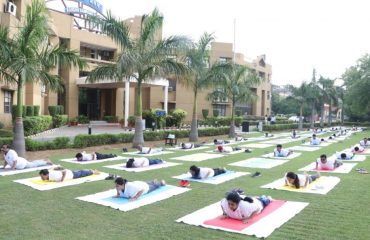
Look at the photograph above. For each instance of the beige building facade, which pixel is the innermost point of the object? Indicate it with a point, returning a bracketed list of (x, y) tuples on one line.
[(97, 100)]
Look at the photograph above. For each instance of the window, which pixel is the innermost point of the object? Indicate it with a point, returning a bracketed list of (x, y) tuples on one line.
[(221, 109), (171, 85), (268, 95), (224, 59), (7, 101)]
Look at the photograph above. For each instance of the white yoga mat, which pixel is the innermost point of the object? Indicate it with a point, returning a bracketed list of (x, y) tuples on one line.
[(73, 160), (38, 184), (291, 156), (257, 145), (304, 149), (227, 153), (8, 172), (261, 228), (345, 168), (188, 150), (122, 204), (259, 163), (198, 157), (280, 141), (122, 166), (356, 158), (321, 186), (229, 175), (146, 155), (323, 144)]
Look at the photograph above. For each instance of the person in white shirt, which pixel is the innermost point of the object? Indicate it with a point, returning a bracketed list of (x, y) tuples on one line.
[(190, 145), (365, 142), (203, 172), (300, 180), (236, 207), (315, 140), (227, 149), (327, 164), (133, 190), (17, 163), (357, 149), (280, 152), (239, 139), (148, 150), (345, 155), (83, 156), (268, 135), (60, 175), (142, 162), (218, 141)]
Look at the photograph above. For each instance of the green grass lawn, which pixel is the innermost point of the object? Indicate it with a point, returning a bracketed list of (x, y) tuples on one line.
[(26, 213)]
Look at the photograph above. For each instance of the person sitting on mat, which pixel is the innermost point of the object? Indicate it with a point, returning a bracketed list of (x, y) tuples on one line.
[(60, 175), (365, 142), (17, 163), (226, 149), (219, 141), (345, 155), (83, 156), (280, 152), (357, 149), (142, 162), (327, 164), (315, 140), (203, 173), (133, 190), (236, 207), (190, 145), (300, 180), (148, 150)]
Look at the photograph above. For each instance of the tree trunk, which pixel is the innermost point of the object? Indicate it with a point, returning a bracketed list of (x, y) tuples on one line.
[(330, 114), (194, 121), (342, 114), (232, 123), (19, 144), (322, 115), (313, 116), (300, 126), (139, 136)]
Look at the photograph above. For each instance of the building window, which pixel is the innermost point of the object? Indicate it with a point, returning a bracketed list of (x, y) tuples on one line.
[(268, 95), (172, 85), (224, 59), (7, 101), (221, 109)]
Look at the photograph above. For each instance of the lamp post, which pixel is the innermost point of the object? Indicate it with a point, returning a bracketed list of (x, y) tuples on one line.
[(89, 129)]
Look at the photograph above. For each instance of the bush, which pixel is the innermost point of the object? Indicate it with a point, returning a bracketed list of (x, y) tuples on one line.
[(1, 125), (131, 120), (178, 116), (36, 110), (216, 113), (221, 121), (57, 143), (238, 113), (29, 111), (82, 119), (149, 117), (60, 120), (255, 118), (5, 133), (14, 112), (24, 111), (33, 125), (111, 119), (60, 109), (205, 113), (6, 140), (53, 110)]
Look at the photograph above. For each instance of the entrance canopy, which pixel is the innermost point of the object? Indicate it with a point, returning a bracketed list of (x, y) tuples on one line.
[(107, 83)]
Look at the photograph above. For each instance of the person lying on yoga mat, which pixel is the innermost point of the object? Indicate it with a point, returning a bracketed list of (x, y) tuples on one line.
[(357, 149), (60, 175), (239, 139), (133, 190), (300, 180), (226, 149), (83, 156), (203, 172), (280, 152), (219, 141), (365, 142), (190, 145), (345, 155), (268, 135), (294, 134), (142, 162), (327, 164), (236, 207), (148, 150), (315, 140), (17, 163)]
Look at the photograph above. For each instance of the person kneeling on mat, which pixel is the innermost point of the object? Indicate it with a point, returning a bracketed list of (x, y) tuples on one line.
[(190, 145), (133, 190), (236, 207), (148, 150), (83, 156), (280, 152), (60, 175), (142, 162), (300, 180), (203, 173), (226, 149), (327, 164)]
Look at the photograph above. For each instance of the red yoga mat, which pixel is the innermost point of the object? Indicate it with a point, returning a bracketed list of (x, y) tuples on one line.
[(238, 225)]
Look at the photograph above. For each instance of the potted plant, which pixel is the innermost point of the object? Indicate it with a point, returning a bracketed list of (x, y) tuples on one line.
[(131, 121), (73, 122)]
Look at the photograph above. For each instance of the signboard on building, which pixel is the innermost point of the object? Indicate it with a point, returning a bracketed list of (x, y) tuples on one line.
[(92, 4)]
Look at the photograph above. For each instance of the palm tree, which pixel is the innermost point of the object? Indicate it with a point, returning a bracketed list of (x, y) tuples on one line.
[(143, 58), (327, 91), (314, 95), (300, 94), (28, 58), (340, 95), (233, 82), (198, 79)]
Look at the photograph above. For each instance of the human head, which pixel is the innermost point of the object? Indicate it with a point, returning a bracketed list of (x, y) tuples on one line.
[(293, 179), (357, 149), (365, 140), (266, 134), (330, 137), (215, 140), (322, 140), (130, 163), (233, 200), (220, 148), (314, 136), (194, 170), (182, 145), (139, 147), (5, 148), (44, 174), (323, 158), (279, 147), (79, 156), (120, 183), (343, 156)]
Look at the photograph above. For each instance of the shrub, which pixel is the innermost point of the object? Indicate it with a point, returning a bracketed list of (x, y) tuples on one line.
[(53, 110), (1, 125), (5, 133), (149, 117), (60, 120), (14, 112), (36, 110), (60, 109), (216, 113), (24, 111), (57, 143), (178, 115), (111, 119), (6, 140), (131, 120), (29, 111), (82, 119), (205, 113), (238, 113), (33, 125)]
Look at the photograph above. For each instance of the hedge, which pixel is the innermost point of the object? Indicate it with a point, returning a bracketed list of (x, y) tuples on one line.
[(278, 127), (82, 119), (111, 119), (53, 110), (357, 124), (36, 110), (221, 121), (60, 120), (57, 143), (33, 125)]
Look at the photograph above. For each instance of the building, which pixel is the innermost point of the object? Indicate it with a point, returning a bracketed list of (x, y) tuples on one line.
[(97, 100)]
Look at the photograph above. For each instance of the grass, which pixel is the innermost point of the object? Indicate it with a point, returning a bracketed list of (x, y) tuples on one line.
[(30, 214)]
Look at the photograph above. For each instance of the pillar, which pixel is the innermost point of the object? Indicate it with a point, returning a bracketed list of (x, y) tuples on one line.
[(165, 99), (127, 101)]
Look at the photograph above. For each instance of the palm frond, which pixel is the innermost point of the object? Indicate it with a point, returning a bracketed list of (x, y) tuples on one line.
[(52, 56), (102, 72), (150, 24)]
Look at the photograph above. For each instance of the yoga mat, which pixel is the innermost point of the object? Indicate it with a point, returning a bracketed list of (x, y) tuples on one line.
[(345, 168), (229, 175), (259, 163), (227, 153), (304, 149), (355, 158), (73, 160), (146, 155), (188, 150), (8, 172), (122, 166), (257, 145), (198, 157), (291, 156)]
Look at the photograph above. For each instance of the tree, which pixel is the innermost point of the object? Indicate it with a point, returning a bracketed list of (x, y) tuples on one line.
[(234, 82), (198, 79), (300, 95), (143, 58), (27, 57), (313, 98), (327, 93)]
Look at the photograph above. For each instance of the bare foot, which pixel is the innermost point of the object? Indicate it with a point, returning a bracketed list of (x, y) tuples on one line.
[(96, 172), (163, 183)]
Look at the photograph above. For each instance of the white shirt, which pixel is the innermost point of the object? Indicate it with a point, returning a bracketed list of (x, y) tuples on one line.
[(282, 153), (302, 180), (12, 156), (204, 172), (87, 157), (227, 149), (238, 139), (56, 176), (244, 210), (349, 155), (329, 165), (362, 143), (220, 142), (188, 146), (146, 150), (132, 188), (141, 162), (315, 141)]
